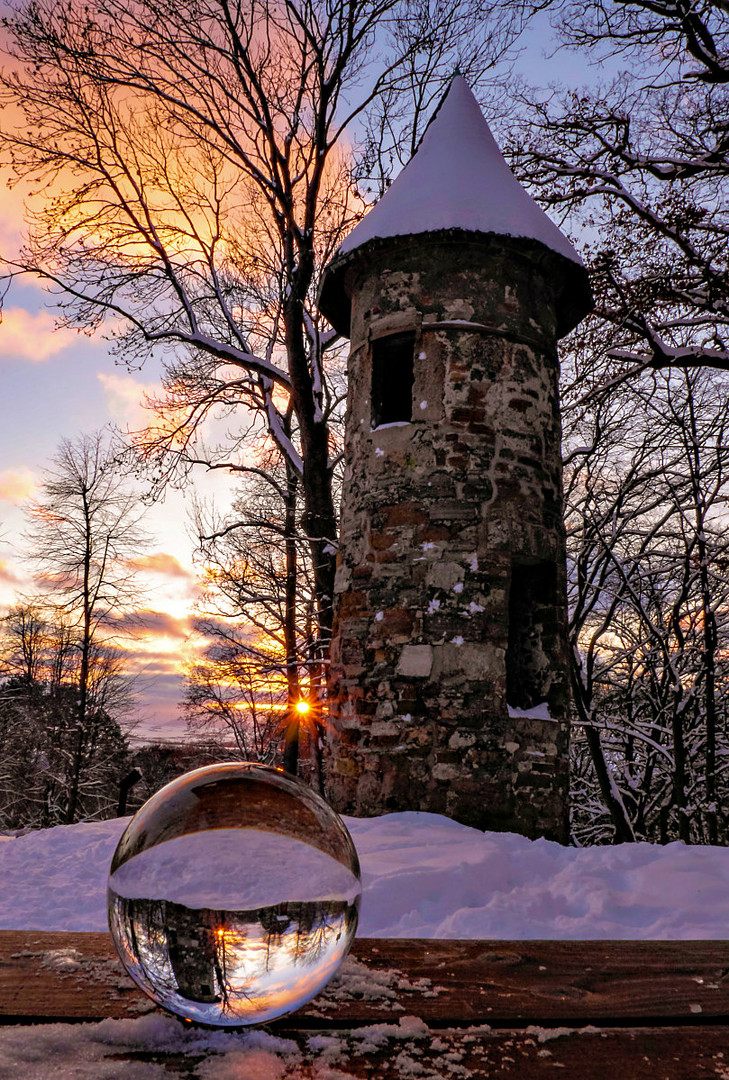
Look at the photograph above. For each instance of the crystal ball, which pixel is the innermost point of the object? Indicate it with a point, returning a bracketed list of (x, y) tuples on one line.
[(233, 895)]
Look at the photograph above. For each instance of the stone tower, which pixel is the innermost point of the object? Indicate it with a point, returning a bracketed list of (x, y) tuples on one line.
[(449, 681)]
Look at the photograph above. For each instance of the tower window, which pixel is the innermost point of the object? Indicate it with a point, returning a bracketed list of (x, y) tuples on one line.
[(532, 612), (392, 378)]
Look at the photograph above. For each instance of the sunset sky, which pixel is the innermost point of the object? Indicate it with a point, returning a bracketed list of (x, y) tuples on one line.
[(59, 384), (56, 384)]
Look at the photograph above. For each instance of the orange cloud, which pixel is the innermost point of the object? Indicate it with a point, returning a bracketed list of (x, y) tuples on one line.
[(34, 337), (17, 485), (161, 563), (7, 574), (147, 623), (150, 662)]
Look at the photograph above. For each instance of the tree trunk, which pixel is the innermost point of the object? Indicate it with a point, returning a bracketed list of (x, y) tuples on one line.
[(678, 787), (611, 796), (623, 829), (320, 523), (293, 690), (83, 678), (710, 636)]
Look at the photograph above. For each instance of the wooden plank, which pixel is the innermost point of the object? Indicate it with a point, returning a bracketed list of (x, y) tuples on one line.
[(556, 982), (59, 976)]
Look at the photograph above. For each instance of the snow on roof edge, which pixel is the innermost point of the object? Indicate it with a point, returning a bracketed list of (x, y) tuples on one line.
[(334, 301), (458, 178)]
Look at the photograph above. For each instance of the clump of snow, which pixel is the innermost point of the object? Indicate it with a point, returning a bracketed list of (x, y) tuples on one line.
[(93, 1051), (360, 982), (374, 1036), (537, 712), (543, 1035), (423, 876)]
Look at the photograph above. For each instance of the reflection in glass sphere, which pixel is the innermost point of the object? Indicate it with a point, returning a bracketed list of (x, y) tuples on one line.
[(233, 895)]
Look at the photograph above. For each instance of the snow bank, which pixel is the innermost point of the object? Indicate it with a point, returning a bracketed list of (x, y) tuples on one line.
[(424, 876)]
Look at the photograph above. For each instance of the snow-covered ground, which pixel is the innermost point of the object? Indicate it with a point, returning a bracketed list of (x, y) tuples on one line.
[(424, 876)]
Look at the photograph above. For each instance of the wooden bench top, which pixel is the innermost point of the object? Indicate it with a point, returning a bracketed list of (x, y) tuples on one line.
[(621, 1010)]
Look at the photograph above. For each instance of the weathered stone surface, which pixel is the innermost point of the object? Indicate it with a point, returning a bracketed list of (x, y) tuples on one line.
[(450, 592), (416, 662)]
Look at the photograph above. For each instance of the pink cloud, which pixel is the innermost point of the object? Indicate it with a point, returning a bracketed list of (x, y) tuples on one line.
[(149, 623), (161, 563), (32, 336)]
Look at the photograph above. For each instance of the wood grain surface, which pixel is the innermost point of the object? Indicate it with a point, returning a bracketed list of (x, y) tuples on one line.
[(441, 1010), (49, 976)]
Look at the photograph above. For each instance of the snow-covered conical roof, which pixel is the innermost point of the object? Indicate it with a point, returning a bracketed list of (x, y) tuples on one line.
[(457, 179)]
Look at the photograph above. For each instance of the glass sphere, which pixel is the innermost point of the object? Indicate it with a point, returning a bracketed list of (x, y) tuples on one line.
[(233, 895)]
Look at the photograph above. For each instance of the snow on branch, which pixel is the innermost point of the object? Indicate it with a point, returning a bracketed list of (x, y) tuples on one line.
[(667, 356), (276, 428), (214, 347), (315, 353)]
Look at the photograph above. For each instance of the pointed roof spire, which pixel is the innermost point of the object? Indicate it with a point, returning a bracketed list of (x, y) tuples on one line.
[(457, 179)]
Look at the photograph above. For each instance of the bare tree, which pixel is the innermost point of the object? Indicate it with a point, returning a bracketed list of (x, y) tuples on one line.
[(196, 154), (648, 551), (84, 530), (641, 165), (255, 675), (39, 672)]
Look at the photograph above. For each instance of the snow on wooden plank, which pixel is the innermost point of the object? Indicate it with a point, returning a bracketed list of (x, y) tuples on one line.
[(410, 1051)]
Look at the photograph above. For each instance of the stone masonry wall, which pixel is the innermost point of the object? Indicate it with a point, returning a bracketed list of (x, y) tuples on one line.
[(444, 521)]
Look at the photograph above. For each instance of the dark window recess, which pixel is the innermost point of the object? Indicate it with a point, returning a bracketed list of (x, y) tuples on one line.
[(532, 629), (392, 378)]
